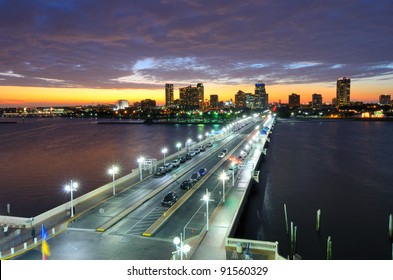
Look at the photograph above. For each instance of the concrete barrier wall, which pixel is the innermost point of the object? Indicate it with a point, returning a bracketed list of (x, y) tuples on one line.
[(239, 212), (14, 221)]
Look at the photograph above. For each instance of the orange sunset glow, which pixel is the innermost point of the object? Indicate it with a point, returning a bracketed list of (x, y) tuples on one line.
[(362, 90)]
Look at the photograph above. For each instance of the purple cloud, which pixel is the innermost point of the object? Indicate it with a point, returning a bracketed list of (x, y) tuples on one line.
[(144, 44)]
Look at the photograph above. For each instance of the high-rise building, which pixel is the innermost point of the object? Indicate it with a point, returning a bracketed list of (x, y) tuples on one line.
[(316, 101), (343, 91), (244, 100), (384, 99), (261, 98), (240, 99), (201, 95), (168, 95), (190, 98), (294, 100), (214, 101)]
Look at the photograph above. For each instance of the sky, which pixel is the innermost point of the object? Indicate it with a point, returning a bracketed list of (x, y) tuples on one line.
[(73, 52)]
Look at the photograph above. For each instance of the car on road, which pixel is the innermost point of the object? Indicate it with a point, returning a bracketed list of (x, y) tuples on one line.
[(168, 167), (183, 159), (187, 184), (195, 177), (169, 199), (176, 163), (209, 144), (160, 171), (221, 155), (202, 172), (191, 153)]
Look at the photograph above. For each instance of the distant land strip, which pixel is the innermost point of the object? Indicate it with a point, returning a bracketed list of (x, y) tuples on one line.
[(156, 122)]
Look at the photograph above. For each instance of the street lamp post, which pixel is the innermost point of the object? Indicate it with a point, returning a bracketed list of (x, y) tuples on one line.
[(178, 146), (140, 161), (164, 151), (113, 171), (188, 144), (233, 173), (206, 198), (200, 137), (71, 188), (223, 177), (183, 248)]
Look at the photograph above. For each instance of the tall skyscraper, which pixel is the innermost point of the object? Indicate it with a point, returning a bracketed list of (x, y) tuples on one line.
[(240, 99), (201, 95), (214, 101), (294, 100), (190, 98), (316, 101), (343, 91), (168, 95), (261, 98), (384, 99)]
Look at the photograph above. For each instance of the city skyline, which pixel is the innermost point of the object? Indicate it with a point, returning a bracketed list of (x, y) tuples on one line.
[(76, 53)]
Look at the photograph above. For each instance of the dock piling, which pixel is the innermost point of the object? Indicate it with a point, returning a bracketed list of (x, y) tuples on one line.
[(329, 249), (318, 226), (286, 218)]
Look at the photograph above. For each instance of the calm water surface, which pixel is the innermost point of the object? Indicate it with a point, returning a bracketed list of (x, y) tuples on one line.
[(38, 157), (344, 168)]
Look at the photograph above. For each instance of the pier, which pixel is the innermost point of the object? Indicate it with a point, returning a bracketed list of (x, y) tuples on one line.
[(134, 215)]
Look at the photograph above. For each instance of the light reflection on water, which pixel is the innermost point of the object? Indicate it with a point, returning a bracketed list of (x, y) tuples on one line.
[(38, 157)]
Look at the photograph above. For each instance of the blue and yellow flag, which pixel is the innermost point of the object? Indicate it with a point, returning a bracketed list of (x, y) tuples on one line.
[(45, 247)]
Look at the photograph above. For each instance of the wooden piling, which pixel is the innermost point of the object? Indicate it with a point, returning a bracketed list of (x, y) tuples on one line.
[(318, 225), (292, 240), (329, 249), (286, 218)]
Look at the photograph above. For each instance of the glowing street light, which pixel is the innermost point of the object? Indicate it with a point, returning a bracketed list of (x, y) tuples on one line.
[(223, 177), (200, 137), (113, 171), (183, 248), (189, 144), (71, 188), (164, 151), (178, 146), (206, 198), (140, 161)]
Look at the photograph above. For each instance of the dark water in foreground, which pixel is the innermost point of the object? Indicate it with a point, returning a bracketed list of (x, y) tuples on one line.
[(39, 157), (345, 169)]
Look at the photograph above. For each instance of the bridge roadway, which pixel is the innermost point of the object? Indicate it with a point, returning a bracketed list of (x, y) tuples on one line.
[(87, 238)]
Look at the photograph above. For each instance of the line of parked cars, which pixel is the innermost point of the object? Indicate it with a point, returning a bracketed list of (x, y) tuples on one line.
[(162, 170), (195, 177), (171, 197)]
